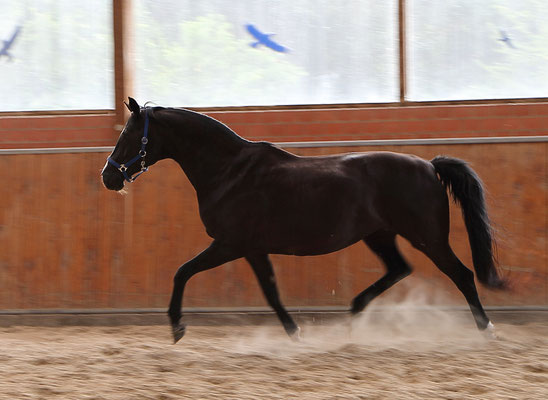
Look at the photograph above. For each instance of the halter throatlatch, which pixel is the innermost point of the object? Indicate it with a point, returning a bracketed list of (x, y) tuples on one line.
[(142, 153)]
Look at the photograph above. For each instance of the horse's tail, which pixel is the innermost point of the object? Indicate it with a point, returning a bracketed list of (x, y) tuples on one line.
[(466, 188)]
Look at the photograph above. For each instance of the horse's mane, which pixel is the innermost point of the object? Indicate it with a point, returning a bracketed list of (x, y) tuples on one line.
[(215, 124)]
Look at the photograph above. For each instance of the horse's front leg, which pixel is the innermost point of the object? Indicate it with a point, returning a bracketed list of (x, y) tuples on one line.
[(216, 254)]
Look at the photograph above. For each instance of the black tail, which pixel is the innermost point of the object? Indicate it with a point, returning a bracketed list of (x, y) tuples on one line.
[(467, 189)]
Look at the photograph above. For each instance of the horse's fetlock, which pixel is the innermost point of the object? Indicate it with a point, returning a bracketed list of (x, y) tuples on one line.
[(174, 317), (358, 304)]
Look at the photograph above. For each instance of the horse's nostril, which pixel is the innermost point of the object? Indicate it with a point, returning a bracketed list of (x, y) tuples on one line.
[(112, 181)]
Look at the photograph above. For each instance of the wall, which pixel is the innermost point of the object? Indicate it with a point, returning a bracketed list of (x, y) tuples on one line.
[(37, 131), (479, 120), (66, 242), (475, 120)]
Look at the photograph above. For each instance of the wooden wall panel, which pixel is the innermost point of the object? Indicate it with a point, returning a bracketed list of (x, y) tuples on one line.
[(37, 131), (358, 123), (410, 122), (67, 242)]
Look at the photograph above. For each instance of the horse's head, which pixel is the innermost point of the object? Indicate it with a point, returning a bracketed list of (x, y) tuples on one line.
[(137, 149)]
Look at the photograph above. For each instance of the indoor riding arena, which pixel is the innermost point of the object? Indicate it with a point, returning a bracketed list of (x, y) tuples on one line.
[(87, 274)]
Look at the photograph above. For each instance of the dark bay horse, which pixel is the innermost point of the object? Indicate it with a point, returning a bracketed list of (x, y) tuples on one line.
[(256, 199)]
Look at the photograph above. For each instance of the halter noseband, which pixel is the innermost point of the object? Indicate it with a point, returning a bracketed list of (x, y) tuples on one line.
[(142, 153)]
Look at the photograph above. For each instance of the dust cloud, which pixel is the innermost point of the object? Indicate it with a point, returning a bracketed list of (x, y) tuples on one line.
[(410, 318)]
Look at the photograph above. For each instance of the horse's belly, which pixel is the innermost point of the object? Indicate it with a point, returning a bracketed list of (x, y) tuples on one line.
[(312, 238), (313, 249)]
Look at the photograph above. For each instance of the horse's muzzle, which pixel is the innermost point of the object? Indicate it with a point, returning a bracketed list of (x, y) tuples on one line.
[(112, 178)]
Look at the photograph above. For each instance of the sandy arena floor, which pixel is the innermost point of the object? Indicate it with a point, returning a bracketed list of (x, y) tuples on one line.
[(384, 356)]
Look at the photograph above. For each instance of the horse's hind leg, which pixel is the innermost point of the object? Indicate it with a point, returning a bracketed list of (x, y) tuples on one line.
[(383, 244), (462, 277), (264, 272)]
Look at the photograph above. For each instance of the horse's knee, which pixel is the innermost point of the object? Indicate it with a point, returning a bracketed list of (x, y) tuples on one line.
[(181, 275), (396, 271)]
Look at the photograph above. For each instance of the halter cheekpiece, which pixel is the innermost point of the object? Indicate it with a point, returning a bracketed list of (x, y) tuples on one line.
[(142, 153)]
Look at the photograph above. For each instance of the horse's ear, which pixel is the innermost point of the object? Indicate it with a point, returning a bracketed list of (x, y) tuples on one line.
[(133, 106)]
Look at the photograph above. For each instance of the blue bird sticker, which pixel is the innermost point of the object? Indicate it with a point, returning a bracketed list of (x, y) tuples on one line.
[(264, 39), (506, 39), (6, 44)]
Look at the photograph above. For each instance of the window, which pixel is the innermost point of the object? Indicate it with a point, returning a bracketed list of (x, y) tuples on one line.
[(469, 49), (58, 54), (61, 55), (216, 53)]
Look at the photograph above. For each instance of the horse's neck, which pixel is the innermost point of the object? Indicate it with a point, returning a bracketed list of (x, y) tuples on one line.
[(204, 149)]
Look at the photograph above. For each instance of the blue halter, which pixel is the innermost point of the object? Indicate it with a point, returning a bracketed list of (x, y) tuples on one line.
[(142, 153)]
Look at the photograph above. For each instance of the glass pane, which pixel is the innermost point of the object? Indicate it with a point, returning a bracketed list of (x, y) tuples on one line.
[(217, 53), (469, 49), (56, 54)]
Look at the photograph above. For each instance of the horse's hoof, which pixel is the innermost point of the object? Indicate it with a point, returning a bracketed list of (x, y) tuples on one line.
[(489, 332), (178, 332), (296, 335)]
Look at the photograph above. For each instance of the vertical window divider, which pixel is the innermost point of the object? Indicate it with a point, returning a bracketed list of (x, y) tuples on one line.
[(402, 50), (123, 53)]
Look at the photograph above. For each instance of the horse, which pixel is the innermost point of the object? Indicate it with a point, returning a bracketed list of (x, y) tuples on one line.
[(256, 199)]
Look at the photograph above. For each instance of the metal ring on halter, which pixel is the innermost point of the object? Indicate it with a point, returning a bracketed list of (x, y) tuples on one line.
[(144, 140), (142, 153), (122, 168)]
